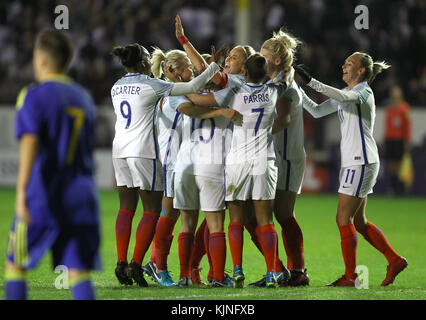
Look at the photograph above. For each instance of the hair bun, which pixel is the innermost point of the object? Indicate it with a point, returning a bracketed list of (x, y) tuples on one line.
[(128, 55)]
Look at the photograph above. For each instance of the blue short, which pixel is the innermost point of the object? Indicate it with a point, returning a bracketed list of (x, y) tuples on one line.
[(76, 247)]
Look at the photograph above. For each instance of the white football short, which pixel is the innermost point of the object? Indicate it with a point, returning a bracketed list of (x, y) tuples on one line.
[(198, 192), (358, 181), (255, 180), (143, 173), (169, 178), (290, 174)]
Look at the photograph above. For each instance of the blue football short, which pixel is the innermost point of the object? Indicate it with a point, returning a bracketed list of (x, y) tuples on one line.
[(76, 247)]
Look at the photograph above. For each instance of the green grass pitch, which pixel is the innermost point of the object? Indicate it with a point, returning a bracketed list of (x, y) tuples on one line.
[(403, 221)]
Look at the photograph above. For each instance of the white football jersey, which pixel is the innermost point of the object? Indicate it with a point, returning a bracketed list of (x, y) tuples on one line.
[(169, 130), (289, 143), (358, 146), (134, 97), (251, 139), (203, 147), (235, 80)]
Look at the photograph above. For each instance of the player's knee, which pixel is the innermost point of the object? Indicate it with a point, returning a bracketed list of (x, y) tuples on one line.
[(360, 225)]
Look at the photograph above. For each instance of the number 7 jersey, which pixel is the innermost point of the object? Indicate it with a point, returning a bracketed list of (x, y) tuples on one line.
[(134, 97), (61, 188), (251, 139)]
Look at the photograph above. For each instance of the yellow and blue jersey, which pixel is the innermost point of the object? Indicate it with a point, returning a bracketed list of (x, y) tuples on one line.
[(61, 189)]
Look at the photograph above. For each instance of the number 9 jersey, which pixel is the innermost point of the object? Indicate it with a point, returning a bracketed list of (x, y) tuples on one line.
[(134, 97)]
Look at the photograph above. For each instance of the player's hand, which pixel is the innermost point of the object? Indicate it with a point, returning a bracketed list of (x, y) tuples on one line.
[(304, 75), (22, 212), (231, 114), (220, 55), (178, 27), (288, 76)]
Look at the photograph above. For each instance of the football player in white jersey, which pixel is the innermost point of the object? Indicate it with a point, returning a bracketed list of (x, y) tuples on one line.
[(356, 110), (251, 174), (290, 153), (135, 155), (176, 67)]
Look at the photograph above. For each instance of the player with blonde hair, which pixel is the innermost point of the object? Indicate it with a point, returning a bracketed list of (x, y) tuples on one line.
[(279, 51), (176, 67), (360, 163)]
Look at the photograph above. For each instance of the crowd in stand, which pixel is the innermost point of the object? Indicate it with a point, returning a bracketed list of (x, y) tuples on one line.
[(396, 33)]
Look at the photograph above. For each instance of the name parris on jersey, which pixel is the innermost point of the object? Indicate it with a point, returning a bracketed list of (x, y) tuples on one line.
[(256, 98)]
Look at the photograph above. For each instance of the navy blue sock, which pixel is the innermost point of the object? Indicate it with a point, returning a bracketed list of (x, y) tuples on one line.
[(83, 291), (16, 290)]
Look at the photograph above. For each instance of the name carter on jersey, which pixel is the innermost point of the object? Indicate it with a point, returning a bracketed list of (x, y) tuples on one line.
[(125, 90)]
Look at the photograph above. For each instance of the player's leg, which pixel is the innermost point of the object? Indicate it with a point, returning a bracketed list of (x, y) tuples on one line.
[(267, 236), (77, 248), (81, 285), (15, 283), (217, 247), (250, 224), (123, 227), (151, 201), (128, 197), (377, 239), (199, 250), (164, 233), (236, 239), (209, 258), (347, 207), (292, 236), (189, 221), (27, 244)]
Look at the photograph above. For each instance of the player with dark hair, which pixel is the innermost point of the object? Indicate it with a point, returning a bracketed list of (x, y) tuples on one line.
[(56, 197), (356, 109), (135, 152)]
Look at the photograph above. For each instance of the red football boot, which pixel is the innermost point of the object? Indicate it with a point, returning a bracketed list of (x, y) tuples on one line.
[(343, 281), (393, 270), (195, 277)]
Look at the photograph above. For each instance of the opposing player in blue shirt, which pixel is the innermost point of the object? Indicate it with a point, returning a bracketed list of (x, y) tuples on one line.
[(56, 198)]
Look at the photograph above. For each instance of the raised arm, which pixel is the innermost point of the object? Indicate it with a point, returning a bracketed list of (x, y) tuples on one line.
[(319, 110), (331, 92), (196, 84), (197, 60)]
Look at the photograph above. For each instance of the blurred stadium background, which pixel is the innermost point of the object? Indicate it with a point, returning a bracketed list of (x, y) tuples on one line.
[(396, 33)]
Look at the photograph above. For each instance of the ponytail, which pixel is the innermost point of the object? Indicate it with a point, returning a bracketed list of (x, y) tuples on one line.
[(372, 69), (132, 55), (157, 62), (378, 67), (172, 59)]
